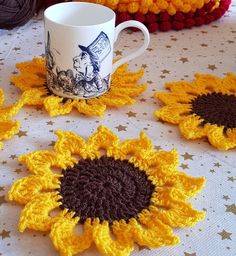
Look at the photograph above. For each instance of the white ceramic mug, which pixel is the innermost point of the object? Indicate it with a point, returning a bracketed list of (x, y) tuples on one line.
[(79, 39)]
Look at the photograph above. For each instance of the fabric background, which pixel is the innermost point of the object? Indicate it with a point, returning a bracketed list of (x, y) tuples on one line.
[(171, 56)]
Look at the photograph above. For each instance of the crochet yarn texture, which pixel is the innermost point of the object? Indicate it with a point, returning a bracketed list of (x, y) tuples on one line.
[(120, 193), (154, 6), (204, 108), (31, 81), (163, 21), (7, 127)]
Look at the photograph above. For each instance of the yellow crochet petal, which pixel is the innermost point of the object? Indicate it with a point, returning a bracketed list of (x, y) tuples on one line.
[(34, 97), (185, 87), (221, 140), (65, 240), (89, 109), (209, 82), (191, 128), (42, 162), (8, 128), (103, 139), (153, 234), (106, 245), (23, 190), (173, 98), (122, 76), (26, 81), (35, 214), (154, 162), (173, 113), (10, 111), (70, 142), (229, 84), (116, 99), (135, 147), (129, 89), (55, 106), (174, 211), (37, 66), (190, 186), (2, 97)]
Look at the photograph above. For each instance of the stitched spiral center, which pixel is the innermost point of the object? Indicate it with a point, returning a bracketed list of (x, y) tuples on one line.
[(105, 188), (216, 108)]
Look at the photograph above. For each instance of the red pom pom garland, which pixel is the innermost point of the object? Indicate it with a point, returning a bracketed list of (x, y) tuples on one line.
[(165, 22)]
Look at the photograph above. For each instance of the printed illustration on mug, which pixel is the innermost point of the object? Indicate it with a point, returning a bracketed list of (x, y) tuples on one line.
[(87, 81)]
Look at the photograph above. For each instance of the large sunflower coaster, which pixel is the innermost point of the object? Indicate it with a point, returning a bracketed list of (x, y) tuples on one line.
[(204, 108), (7, 127), (31, 81), (119, 193)]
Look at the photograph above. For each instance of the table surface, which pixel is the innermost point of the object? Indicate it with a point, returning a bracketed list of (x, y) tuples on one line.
[(171, 56)]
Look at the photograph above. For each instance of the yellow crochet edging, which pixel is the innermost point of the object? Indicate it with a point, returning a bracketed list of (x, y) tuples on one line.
[(153, 227), (154, 6), (7, 127), (31, 81), (177, 109)]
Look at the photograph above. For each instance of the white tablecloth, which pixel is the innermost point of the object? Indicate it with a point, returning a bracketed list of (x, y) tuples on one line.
[(171, 56)]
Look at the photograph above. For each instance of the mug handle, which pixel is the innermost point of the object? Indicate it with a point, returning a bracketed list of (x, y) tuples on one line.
[(139, 51)]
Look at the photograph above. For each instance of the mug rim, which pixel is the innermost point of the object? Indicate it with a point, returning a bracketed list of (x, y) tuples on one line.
[(98, 6)]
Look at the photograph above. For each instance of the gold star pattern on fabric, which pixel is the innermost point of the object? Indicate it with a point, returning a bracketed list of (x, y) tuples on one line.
[(183, 59), (200, 108), (187, 156), (5, 234), (2, 200), (121, 128), (16, 49), (8, 128), (18, 170), (231, 208), (131, 114), (184, 166), (190, 254), (32, 79), (21, 133), (217, 164), (231, 179), (225, 197), (1, 188), (118, 53), (225, 235), (166, 206), (50, 123), (165, 71), (143, 100), (13, 157), (212, 67)]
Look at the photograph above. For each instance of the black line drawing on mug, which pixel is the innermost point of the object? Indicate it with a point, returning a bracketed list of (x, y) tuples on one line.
[(87, 81), (49, 55)]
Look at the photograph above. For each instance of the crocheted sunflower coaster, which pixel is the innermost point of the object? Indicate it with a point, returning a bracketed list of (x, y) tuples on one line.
[(32, 79), (120, 193), (7, 127), (204, 108)]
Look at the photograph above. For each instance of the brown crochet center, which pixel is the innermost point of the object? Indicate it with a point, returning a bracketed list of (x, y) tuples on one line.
[(216, 108), (106, 188)]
